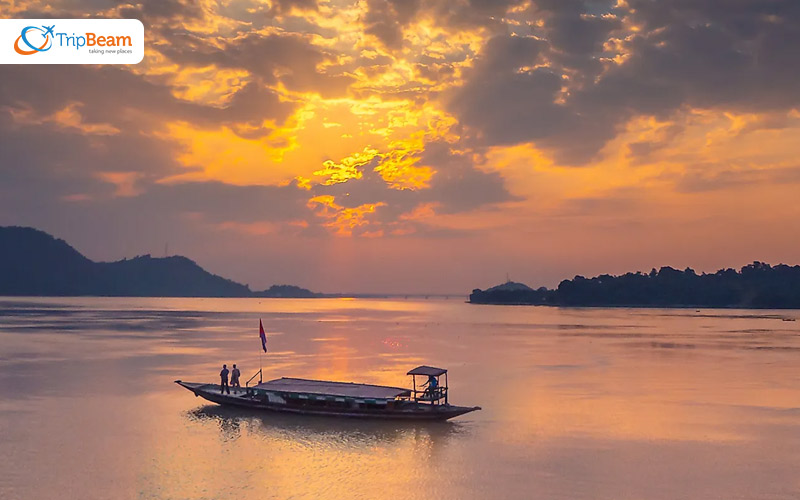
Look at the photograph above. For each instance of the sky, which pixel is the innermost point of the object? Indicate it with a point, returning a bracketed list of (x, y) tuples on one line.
[(417, 146)]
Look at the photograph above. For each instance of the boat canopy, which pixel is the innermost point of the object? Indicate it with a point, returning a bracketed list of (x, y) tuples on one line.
[(427, 370), (342, 389)]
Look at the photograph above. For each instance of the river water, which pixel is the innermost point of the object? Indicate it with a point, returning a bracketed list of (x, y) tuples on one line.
[(577, 403)]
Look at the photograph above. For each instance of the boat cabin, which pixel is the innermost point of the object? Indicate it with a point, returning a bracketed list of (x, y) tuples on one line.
[(298, 392), (433, 392)]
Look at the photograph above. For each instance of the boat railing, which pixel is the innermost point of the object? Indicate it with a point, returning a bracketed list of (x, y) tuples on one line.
[(432, 395), (256, 374)]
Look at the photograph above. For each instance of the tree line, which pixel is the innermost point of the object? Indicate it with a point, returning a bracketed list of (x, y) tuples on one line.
[(757, 285)]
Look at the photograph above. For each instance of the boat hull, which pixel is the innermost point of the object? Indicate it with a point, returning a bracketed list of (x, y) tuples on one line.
[(246, 399)]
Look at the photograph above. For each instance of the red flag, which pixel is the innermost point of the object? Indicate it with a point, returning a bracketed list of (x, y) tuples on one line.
[(262, 335)]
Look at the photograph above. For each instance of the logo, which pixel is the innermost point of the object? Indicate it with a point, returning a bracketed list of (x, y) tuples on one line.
[(45, 31), (71, 41)]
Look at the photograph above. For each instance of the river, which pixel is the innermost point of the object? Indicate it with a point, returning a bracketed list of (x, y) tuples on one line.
[(578, 403)]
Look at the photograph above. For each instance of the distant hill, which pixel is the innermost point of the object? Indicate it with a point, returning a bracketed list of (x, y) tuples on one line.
[(510, 286), (34, 263), (278, 291), (511, 293), (756, 285)]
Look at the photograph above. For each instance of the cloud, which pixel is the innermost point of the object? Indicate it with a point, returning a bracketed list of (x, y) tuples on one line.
[(576, 27), (153, 11), (711, 177), (554, 90), (273, 57), (130, 102), (509, 98), (457, 186), (385, 20)]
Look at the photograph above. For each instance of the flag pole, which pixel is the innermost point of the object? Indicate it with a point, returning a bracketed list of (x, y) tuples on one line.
[(263, 337)]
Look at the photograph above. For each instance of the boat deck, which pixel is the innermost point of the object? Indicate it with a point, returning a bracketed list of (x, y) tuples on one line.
[(332, 404), (336, 389)]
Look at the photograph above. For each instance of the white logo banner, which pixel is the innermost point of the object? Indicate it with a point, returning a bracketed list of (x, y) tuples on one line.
[(71, 41)]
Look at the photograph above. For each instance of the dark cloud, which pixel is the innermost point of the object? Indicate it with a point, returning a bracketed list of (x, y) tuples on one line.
[(740, 16), (641, 151), (507, 102), (286, 6), (712, 177), (150, 12), (469, 14), (738, 55), (576, 26), (385, 19), (287, 58), (155, 11), (219, 202), (107, 94), (458, 186), (51, 175)]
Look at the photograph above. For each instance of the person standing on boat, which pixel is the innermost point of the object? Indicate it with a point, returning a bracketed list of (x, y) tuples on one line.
[(235, 373), (223, 382)]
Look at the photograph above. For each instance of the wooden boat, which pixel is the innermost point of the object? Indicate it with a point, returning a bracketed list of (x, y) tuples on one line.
[(341, 399)]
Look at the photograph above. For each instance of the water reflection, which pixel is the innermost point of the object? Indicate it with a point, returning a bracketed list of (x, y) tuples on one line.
[(343, 433)]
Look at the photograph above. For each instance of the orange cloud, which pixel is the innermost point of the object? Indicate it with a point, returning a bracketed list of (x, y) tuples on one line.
[(124, 182), (347, 168), (344, 221)]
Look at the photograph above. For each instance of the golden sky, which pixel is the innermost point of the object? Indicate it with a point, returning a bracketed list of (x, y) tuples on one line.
[(415, 145)]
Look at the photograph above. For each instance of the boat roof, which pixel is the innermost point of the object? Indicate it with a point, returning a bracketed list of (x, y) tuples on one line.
[(324, 387), (427, 370)]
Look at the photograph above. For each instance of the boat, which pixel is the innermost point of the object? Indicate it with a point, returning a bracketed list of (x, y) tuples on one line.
[(340, 399)]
